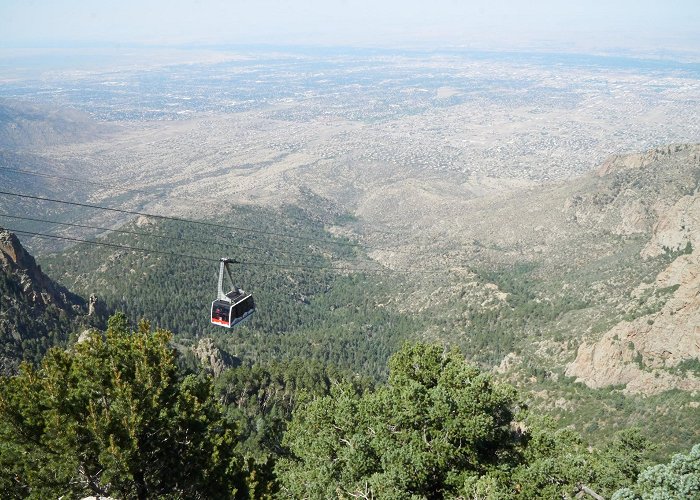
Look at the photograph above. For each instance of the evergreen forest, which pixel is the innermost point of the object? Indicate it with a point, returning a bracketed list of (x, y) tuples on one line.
[(321, 300), (347, 382), (120, 414)]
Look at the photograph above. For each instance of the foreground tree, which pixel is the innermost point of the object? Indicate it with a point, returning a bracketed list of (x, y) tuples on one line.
[(680, 478), (434, 430), (558, 463), (111, 417)]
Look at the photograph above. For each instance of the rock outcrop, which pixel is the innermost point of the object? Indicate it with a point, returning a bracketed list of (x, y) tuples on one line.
[(642, 353), (15, 262), (35, 312), (212, 358), (634, 194), (620, 162), (677, 228)]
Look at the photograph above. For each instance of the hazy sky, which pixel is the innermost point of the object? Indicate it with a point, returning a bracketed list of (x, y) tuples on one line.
[(566, 23)]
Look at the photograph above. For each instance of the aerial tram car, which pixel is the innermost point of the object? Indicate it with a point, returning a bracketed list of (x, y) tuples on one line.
[(232, 307)]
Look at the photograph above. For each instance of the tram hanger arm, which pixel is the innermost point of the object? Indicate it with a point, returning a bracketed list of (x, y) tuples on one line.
[(224, 262)]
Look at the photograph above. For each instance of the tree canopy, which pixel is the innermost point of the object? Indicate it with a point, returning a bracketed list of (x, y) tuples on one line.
[(111, 416), (114, 415), (441, 428), (680, 478), (435, 427)]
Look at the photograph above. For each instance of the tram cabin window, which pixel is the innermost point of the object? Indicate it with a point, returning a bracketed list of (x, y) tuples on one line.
[(221, 313)]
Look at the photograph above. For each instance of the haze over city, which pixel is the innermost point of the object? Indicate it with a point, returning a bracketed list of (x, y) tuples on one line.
[(627, 25)]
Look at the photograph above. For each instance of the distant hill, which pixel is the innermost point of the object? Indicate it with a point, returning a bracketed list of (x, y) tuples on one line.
[(35, 312), (602, 268), (26, 126)]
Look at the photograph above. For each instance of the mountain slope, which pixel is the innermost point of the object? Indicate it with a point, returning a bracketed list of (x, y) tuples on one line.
[(35, 312), (528, 276), (536, 272), (30, 126), (307, 305), (644, 353)]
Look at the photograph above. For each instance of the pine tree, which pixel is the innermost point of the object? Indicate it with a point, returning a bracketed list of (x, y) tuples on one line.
[(435, 428), (111, 417)]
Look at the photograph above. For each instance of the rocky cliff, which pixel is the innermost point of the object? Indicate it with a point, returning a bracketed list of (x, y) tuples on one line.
[(38, 288), (213, 359), (35, 312), (648, 353)]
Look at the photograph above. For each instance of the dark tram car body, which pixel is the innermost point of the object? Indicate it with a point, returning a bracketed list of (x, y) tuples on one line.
[(237, 308)]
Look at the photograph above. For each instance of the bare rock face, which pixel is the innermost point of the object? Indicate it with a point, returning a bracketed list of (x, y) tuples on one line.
[(632, 354), (212, 358), (86, 335), (34, 284), (33, 308), (96, 306), (639, 353), (15, 260), (625, 214), (635, 195), (508, 363), (633, 161), (642, 353), (676, 228), (143, 221)]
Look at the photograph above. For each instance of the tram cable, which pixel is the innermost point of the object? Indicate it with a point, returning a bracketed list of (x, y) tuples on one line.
[(287, 266), (107, 244), (73, 179), (157, 191), (153, 235), (201, 223)]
